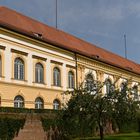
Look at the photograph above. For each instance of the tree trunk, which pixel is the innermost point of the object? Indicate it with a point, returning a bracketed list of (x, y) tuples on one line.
[(101, 132)]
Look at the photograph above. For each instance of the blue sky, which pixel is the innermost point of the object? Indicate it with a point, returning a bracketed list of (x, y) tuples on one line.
[(101, 22)]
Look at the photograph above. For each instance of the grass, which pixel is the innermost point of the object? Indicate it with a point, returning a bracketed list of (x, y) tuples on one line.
[(128, 136)]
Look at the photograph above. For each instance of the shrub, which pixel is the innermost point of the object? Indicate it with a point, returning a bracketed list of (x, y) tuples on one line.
[(9, 127)]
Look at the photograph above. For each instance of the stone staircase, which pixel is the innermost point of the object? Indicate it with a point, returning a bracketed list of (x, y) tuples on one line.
[(32, 129)]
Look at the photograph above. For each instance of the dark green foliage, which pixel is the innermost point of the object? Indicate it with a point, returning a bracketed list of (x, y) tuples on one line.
[(138, 120), (77, 122), (54, 125), (126, 136), (47, 123), (13, 110), (89, 110), (26, 110), (125, 111), (9, 127), (132, 126)]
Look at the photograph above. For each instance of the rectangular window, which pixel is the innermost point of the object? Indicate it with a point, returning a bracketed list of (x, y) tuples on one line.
[(21, 77), (36, 75), (16, 71), (41, 76)]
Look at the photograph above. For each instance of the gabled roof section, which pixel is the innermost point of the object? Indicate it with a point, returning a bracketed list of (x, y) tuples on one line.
[(25, 25)]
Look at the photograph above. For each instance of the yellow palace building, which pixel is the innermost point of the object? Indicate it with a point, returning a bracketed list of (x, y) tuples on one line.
[(38, 63)]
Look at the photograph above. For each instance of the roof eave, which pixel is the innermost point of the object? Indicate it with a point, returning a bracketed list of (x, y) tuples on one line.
[(29, 34)]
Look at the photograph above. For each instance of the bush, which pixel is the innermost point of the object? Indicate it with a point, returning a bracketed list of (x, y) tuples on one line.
[(129, 127), (13, 110), (69, 127), (27, 110), (9, 127)]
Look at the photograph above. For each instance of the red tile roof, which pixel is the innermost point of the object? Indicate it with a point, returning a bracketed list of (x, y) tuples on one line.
[(17, 22)]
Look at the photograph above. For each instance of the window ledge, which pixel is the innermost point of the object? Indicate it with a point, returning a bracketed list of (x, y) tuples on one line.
[(57, 86), (19, 80), (2, 76), (40, 83), (71, 88)]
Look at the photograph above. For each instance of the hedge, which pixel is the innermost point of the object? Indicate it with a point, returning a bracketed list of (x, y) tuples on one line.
[(26, 110), (9, 127)]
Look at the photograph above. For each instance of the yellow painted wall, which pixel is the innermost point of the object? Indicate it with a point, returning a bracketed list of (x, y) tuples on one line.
[(9, 91), (28, 89)]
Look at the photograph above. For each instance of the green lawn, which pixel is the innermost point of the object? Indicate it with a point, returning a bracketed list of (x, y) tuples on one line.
[(128, 136)]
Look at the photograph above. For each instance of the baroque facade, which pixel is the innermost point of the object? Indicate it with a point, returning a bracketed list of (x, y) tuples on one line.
[(38, 63)]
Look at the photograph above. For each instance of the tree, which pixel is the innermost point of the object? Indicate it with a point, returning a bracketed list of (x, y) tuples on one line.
[(88, 106), (125, 107)]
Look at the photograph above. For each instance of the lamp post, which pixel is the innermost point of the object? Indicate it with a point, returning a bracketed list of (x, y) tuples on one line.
[(56, 14), (125, 46)]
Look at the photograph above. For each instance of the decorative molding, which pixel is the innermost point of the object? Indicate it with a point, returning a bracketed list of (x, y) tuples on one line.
[(69, 66), (130, 80), (19, 52), (116, 78), (81, 67), (43, 83), (32, 86), (93, 64), (56, 62), (100, 75), (19, 80), (1, 76), (40, 50), (26, 102), (2, 47), (38, 57), (6, 100)]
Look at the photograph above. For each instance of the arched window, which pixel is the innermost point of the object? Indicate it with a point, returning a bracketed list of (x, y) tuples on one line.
[(19, 102), (39, 73), (56, 104), (71, 79), (39, 103), (135, 91), (123, 87), (89, 82), (108, 86), (19, 69), (0, 66), (56, 77)]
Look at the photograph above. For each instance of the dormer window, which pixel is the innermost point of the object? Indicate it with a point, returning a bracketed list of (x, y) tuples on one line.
[(39, 35), (95, 56)]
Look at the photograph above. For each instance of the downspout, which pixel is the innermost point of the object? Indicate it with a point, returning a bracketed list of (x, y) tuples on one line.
[(76, 71)]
